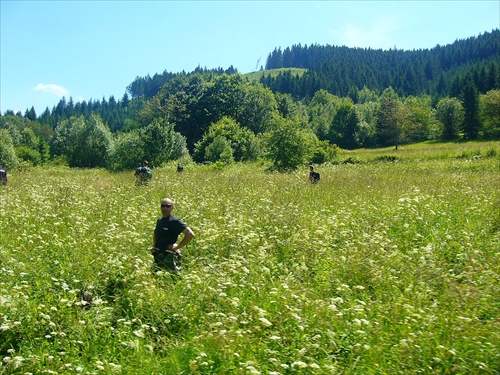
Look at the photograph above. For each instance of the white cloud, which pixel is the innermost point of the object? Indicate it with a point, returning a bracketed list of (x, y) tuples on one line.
[(379, 33), (52, 88)]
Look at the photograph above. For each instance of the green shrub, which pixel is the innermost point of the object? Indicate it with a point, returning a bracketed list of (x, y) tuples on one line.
[(28, 155), (388, 158), (351, 160)]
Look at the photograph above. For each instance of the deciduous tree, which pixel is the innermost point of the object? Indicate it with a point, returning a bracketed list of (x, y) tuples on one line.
[(85, 142), (127, 150), (489, 105), (157, 138), (289, 145), (8, 158), (450, 113), (243, 143)]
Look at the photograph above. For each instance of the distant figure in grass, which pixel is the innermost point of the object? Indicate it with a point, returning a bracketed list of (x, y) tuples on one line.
[(313, 175), (3, 176), (180, 168), (142, 173), (166, 250), (138, 172)]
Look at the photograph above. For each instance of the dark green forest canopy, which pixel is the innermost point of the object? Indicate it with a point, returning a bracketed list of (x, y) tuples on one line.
[(331, 96), (341, 70), (439, 72)]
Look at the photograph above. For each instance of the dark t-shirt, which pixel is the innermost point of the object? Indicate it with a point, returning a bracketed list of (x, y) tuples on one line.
[(314, 176), (167, 231)]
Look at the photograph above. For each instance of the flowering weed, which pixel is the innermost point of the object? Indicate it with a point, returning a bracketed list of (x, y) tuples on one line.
[(379, 268)]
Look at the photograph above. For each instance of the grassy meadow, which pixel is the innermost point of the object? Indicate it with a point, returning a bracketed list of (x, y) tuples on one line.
[(256, 76), (389, 265)]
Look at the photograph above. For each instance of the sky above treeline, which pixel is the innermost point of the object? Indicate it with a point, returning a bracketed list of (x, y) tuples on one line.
[(94, 49)]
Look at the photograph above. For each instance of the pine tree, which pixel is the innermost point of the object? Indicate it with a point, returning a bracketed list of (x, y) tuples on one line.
[(31, 114), (472, 122)]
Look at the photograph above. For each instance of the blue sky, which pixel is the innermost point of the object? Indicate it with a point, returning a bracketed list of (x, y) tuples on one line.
[(95, 49)]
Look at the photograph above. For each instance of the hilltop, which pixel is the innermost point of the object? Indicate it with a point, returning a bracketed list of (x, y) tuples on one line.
[(257, 76)]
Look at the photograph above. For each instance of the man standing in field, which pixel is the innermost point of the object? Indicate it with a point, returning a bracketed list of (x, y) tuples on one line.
[(313, 175), (142, 174), (165, 247), (3, 176)]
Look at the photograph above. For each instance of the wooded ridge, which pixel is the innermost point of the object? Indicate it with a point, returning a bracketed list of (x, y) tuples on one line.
[(321, 97)]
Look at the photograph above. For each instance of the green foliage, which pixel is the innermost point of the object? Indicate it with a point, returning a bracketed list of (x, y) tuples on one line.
[(44, 150), (344, 71), (321, 111), (351, 160), (350, 97), (157, 143), (15, 125), (291, 109), (388, 158), (367, 114), (27, 154), (85, 142), (450, 113), (289, 146), (195, 102), (347, 130), (490, 113), (258, 108), (219, 150), (29, 139), (127, 150), (178, 149), (158, 140), (324, 153), (226, 136), (419, 123), (390, 119), (8, 158), (472, 121), (365, 95)]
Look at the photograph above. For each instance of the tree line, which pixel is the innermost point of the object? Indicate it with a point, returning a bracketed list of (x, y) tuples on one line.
[(221, 116), (341, 70)]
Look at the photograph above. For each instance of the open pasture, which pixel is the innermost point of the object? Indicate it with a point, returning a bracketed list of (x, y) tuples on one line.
[(381, 268)]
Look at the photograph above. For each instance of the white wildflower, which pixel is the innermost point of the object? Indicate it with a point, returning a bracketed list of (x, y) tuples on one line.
[(253, 370), (139, 333), (265, 322)]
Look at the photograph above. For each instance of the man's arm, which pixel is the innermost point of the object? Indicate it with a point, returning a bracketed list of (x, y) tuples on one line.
[(188, 236)]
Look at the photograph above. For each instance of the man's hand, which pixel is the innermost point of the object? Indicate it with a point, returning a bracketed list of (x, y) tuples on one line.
[(174, 249)]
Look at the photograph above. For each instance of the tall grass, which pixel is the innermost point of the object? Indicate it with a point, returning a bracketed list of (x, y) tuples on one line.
[(381, 268)]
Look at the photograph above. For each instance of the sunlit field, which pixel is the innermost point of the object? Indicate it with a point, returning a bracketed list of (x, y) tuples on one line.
[(389, 265)]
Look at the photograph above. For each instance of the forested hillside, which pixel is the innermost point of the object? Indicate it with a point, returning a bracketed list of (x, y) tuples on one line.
[(309, 102), (439, 71)]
